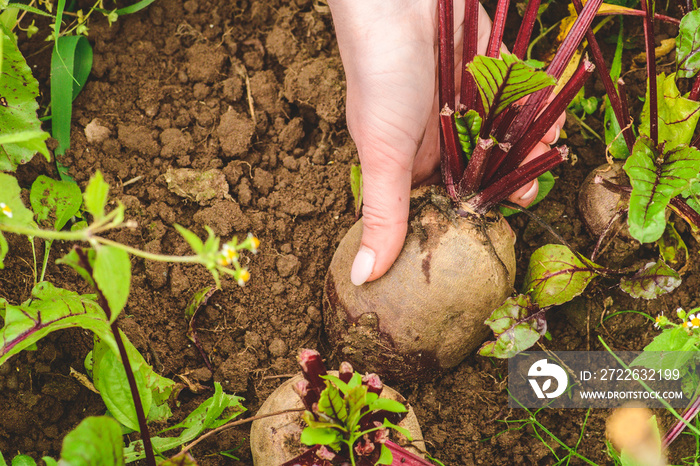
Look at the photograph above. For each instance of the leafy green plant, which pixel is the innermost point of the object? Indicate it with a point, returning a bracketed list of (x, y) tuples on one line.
[(664, 161), (681, 341), (133, 393), (663, 168), (490, 121), (346, 419)]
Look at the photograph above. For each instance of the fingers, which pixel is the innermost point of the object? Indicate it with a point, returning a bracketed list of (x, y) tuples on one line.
[(525, 195), (386, 195), (552, 135)]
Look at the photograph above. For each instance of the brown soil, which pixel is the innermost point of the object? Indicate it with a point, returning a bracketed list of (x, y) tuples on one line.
[(253, 93)]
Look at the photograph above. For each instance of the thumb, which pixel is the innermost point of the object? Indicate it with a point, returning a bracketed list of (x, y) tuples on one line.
[(386, 194)]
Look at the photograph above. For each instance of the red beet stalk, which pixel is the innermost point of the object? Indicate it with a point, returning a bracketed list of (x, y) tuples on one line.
[(471, 180), (523, 39), (631, 12), (452, 164), (623, 118), (695, 91), (497, 28), (504, 187), (541, 125), (688, 415), (468, 95), (556, 68)]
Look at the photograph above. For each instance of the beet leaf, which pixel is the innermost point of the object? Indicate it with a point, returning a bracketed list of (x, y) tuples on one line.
[(688, 45), (504, 81), (672, 248), (678, 116), (557, 275), (517, 324), (653, 280), (468, 129), (655, 179), (48, 310)]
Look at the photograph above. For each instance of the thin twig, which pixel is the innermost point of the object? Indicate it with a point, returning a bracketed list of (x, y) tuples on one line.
[(232, 424)]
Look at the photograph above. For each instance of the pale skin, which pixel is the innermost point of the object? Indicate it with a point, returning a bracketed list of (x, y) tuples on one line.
[(389, 52)]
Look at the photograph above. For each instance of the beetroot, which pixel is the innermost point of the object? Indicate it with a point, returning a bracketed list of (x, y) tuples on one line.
[(458, 263), (603, 210), (427, 312), (349, 419)]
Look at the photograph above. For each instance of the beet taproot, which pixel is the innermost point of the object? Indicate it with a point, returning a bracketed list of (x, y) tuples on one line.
[(427, 313), (275, 440), (603, 210)]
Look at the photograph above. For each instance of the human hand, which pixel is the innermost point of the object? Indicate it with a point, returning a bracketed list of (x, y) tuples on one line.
[(392, 116)]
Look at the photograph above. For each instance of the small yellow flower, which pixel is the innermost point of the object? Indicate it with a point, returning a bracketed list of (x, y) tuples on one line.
[(660, 321), (5, 210), (228, 255), (243, 277), (252, 243), (694, 321)]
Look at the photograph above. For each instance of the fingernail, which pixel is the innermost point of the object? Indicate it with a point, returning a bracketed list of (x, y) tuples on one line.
[(531, 193), (557, 133), (362, 266)]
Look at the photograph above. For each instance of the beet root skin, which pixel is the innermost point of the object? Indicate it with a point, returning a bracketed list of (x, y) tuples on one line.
[(427, 313), (598, 204)]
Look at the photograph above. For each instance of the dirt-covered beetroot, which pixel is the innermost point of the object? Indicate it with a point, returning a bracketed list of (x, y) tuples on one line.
[(427, 312), (602, 209), (457, 265), (275, 440)]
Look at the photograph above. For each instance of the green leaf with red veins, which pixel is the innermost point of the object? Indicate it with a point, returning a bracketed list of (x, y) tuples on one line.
[(678, 116), (332, 404), (556, 275), (688, 45), (655, 179), (48, 310), (503, 81), (517, 324), (654, 279)]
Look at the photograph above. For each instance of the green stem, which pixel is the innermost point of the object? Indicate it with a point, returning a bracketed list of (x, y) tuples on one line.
[(540, 37), (44, 264), (583, 125), (87, 235), (571, 451), (31, 241)]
